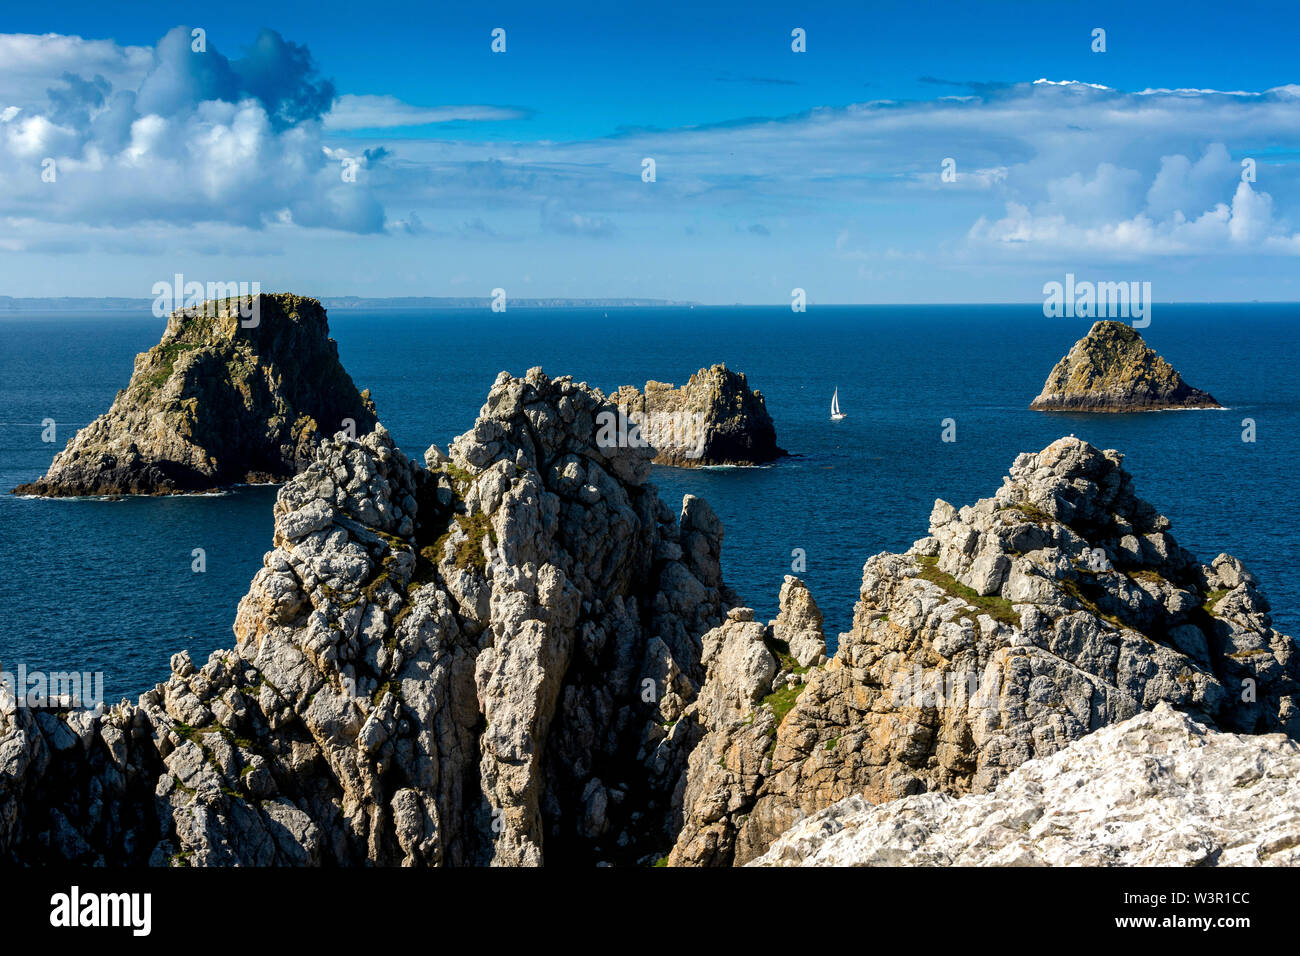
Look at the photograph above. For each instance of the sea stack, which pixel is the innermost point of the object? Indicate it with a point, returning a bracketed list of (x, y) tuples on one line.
[(714, 419), (1112, 370), (237, 390)]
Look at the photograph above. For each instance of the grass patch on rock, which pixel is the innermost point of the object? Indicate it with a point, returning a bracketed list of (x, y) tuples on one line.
[(995, 606), (168, 354), (1073, 590), (782, 701), (1213, 598), (1033, 513), (469, 551)]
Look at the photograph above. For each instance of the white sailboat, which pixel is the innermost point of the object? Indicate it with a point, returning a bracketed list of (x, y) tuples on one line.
[(836, 414)]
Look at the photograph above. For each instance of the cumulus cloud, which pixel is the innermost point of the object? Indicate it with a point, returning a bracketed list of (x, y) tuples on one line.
[(1190, 187), (278, 74), (1245, 224), (29, 63), (1109, 192), (197, 137)]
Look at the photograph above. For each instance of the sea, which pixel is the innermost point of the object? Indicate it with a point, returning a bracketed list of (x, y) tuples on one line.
[(111, 586)]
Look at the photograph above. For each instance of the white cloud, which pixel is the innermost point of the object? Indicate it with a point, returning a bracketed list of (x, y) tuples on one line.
[(1045, 168), (1245, 225), (1192, 187), (1012, 144), (1044, 81), (198, 139), (31, 64), (1109, 193), (352, 112)]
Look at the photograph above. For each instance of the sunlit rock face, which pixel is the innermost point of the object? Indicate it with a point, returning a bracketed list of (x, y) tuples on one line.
[(1112, 370)]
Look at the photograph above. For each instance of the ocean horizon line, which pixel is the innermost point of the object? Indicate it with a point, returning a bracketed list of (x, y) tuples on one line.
[(17, 304)]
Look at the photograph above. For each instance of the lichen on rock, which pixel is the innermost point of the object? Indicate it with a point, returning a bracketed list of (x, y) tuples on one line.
[(1112, 370), (222, 399)]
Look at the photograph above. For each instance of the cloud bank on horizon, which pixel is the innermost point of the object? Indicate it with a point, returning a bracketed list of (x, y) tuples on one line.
[(168, 154)]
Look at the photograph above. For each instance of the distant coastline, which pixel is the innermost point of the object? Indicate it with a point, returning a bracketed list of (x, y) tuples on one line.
[(111, 304)]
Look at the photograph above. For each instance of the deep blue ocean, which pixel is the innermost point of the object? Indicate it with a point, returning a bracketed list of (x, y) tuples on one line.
[(93, 585)]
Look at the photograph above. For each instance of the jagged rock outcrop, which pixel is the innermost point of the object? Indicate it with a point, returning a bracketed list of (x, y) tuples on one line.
[(755, 674), (798, 624), (519, 655), (238, 390), (1020, 624), (1158, 789), (714, 419), (483, 662), (1112, 370)]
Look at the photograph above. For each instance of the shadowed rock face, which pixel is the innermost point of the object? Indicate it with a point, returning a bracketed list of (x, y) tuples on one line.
[(481, 662), (1158, 789), (714, 419), (216, 403), (1021, 623), (1112, 370)]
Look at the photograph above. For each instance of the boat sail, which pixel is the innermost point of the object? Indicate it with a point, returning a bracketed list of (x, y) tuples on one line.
[(836, 414)]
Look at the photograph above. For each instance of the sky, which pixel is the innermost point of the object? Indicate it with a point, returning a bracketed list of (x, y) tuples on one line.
[(385, 149)]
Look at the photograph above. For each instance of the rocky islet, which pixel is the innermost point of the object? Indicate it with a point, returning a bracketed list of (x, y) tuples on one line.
[(1112, 370), (238, 390), (714, 419)]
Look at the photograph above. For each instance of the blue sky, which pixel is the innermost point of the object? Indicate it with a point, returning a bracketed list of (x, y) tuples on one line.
[(775, 169)]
